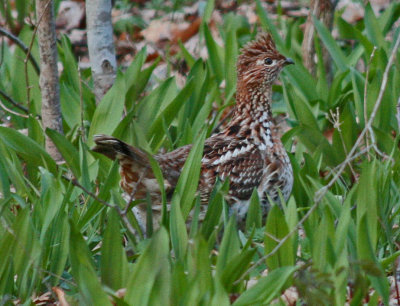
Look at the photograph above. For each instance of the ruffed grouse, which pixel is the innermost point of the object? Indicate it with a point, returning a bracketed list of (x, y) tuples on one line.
[(248, 151)]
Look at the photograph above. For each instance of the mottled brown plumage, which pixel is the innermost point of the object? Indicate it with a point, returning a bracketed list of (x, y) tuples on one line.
[(248, 151)]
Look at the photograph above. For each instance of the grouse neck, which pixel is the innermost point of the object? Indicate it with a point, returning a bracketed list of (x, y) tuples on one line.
[(253, 106)]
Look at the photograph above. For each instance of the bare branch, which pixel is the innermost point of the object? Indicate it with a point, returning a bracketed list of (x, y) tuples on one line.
[(14, 103), (355, 156), (24, 48), (120, 212), (11, 111)]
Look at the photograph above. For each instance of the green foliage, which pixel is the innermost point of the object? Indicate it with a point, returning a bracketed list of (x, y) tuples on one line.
[(53, 233)]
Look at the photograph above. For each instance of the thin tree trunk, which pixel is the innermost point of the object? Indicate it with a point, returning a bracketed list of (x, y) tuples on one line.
[(48, 82), (322, 10), (101, 45)]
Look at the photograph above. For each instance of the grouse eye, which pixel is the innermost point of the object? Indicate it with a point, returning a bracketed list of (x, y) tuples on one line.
[(268, 61)]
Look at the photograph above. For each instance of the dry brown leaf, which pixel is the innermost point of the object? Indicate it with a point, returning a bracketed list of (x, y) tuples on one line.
[(161, 30), (70, 15), (60, 296), (187, 33), (353, 12)]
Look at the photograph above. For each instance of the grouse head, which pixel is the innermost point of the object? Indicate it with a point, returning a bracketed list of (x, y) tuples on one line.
[(259, 62)]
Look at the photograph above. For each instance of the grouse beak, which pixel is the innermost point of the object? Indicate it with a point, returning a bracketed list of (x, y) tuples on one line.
[(288, 61)]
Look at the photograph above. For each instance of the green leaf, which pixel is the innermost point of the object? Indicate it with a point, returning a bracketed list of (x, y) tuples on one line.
[(302, 110), (331, 45), (230, 246), (83, 270), (152, 105), (267, 288), (22, 9), (199, 272), (59, 242), (302, 82), (25, 253), (220, 297), (136, 78), (70, 74), (13, 169), (231, 53), (349, 31), (254, 213), (67, 150), (186, 187), (215, 54), (146, 269), (189, 59), (315, 141), (4, 181), (177, 226), (367, 199), (168, 114), (268, 25), (388, 17), (214, 209), (29, 150), (276, 227), (109, 111), (52, 199), (95, 208), (70, 105), (208, 11), (365, 251), (134, 69), (113, 260), (343, 226), (323, 238), (374, 31), (236, 267)]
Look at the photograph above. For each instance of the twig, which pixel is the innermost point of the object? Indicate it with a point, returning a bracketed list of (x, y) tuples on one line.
[(13, 102), (24, 48), (17, 105), (355, 156), (11, 111), (120, 212), (319, 194), (365, 93), (272, 237)]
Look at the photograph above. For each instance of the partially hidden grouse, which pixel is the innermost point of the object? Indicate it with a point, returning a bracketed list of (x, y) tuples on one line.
[(248, 151)]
